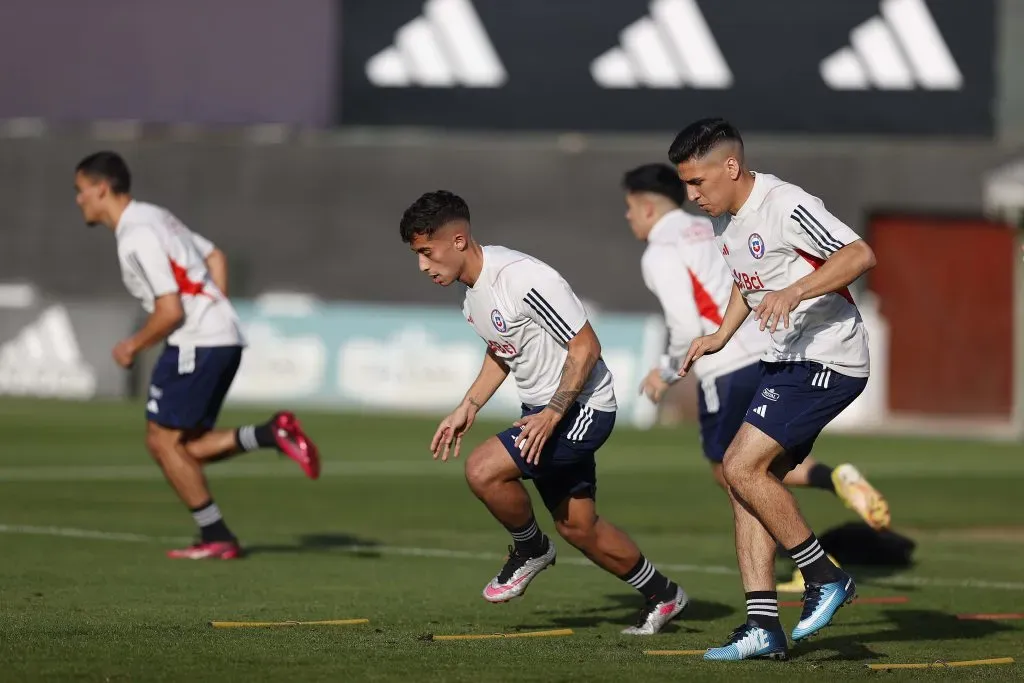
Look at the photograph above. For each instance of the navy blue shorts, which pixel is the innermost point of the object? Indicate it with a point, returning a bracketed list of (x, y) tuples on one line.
[(795, 401), (567, 464), (187, 398), (723, 408)]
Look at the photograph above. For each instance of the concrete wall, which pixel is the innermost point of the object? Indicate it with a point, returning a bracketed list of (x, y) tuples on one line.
[(320, 212)]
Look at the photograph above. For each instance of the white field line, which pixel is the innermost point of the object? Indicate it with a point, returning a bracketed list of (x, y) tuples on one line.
[(441, 553), (145, 471)]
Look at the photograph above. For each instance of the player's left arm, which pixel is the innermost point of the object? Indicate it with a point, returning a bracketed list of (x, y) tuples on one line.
[(215, 259), (819, 236), (584, 350), (551, 303)]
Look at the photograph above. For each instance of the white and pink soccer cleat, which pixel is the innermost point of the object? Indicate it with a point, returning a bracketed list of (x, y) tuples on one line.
[(656, 614), (217, 550), (518, 572)]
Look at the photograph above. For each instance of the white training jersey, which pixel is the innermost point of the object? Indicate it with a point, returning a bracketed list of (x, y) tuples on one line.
[(683, 267), (527, 314), (780, 235), (160, 256)]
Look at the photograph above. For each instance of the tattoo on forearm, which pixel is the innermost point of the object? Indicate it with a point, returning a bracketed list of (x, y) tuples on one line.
[(570, 386), (473, 402)]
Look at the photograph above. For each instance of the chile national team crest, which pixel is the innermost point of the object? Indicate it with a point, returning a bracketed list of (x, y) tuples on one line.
[(756, 245), (498, 321)]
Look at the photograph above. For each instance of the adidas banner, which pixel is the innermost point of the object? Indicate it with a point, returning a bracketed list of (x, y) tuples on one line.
[(802, 66), (52, 349)]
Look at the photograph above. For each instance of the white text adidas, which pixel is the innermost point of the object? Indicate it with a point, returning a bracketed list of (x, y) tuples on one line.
[(445, 47), (899, 50), (44, 360), (671, 48)]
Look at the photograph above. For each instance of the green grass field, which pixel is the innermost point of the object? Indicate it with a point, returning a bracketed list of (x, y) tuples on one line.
[(389, 535)]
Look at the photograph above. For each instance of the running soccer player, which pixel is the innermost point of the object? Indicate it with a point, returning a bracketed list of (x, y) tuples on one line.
[(181, 280), (536, 329), (683, 268), (791, 263)]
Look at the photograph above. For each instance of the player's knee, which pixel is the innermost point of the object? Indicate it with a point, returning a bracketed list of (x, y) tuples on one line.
[(480, 472), (737, 469), (160, 442), (489, 465), (578, 533)]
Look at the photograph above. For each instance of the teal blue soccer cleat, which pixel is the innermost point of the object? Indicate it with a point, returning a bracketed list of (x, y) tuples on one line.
[(750, 641), (821, 602)]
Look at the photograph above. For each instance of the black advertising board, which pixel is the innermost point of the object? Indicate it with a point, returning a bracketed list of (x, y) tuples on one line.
[(802, 66)]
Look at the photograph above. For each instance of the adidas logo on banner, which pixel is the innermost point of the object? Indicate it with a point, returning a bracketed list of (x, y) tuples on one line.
[(671, 48), (899, 50), (446, 47), (45, 360)]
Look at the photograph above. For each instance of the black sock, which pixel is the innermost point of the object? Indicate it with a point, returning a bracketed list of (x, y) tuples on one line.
[(651, 583), (763, 609), (211, 524), (813, 562), (254, 437), (529, 538), (820, 477)]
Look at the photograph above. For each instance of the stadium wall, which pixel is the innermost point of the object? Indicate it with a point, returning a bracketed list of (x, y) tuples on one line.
[(318, 212)]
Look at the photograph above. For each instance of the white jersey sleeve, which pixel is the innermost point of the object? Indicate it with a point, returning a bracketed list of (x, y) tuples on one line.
[(548, 300), (204, 246), (669, 281), (143, 253), (814, 230)]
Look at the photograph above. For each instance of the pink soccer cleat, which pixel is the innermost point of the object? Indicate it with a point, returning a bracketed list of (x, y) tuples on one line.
[(217, 550), (294, 443), (519, 570), (656, 614)]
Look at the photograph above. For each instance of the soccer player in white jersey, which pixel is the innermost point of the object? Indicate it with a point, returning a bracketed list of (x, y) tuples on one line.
[(683, 267), (535, 328), (181, 280), (791, 262)]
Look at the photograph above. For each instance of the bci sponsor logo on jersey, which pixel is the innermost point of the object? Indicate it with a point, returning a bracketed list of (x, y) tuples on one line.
[(498, 321), (756, 245), (750, 283)]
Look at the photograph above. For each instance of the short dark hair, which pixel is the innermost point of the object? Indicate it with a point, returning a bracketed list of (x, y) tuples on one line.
[(660, 179), (432, 211), (107, 166), (700, 137)]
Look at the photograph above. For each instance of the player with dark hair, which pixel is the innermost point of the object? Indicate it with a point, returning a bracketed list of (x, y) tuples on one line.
[(684, 269), (791, 263), (536, 329), (181, 280)]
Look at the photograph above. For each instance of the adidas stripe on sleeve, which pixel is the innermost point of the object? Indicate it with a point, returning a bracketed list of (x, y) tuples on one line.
[(812, 229), (551, 303)]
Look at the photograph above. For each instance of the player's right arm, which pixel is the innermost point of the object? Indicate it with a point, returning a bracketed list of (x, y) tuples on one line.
[(492, 374), (144, 255), (735, 314)]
